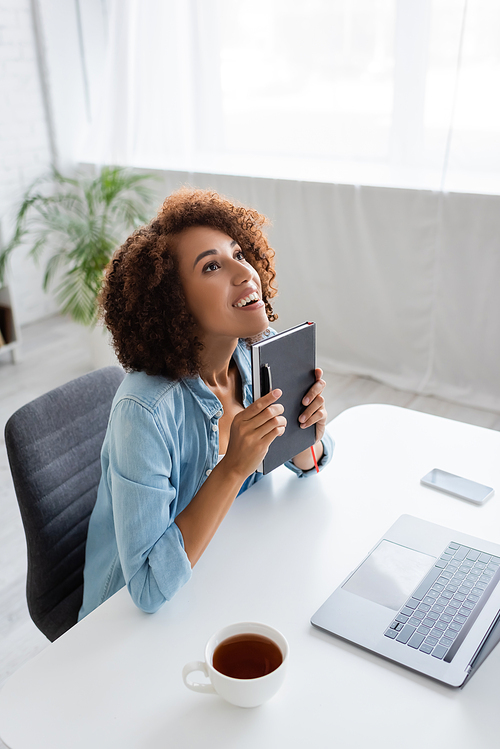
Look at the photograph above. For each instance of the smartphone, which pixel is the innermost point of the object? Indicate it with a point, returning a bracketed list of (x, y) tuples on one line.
[(457, 486)]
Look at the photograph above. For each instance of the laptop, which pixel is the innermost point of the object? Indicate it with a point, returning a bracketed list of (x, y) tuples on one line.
[(426, 597)]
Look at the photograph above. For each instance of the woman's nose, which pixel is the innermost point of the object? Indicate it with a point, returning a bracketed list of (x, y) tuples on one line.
[(241, 274)]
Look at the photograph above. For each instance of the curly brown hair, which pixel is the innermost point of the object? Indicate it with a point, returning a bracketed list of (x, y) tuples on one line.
[(142, 301)]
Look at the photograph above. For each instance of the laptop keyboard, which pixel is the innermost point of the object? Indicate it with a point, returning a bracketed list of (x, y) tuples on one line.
[(437, 617)]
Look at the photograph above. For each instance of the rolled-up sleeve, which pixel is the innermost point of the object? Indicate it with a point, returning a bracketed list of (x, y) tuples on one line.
[(144, 500), (328, 448)]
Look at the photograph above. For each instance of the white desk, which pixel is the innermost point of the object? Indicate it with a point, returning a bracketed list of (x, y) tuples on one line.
[(114, 680)]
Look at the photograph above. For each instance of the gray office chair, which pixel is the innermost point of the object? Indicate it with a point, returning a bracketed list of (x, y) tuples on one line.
[(54, 445)]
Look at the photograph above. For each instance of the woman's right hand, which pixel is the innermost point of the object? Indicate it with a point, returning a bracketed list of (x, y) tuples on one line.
[(251, 433)]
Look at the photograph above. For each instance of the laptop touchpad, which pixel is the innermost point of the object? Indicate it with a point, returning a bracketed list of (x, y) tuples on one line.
[(389, 575)]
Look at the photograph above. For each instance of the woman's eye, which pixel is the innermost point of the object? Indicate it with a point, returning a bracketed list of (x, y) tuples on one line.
[(210, 267), (240, 255)]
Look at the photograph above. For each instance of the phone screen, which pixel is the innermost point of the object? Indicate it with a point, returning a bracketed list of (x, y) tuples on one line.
[(457, 485)]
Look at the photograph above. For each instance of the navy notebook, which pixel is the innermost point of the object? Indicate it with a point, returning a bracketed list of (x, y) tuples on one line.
[(286, 361)]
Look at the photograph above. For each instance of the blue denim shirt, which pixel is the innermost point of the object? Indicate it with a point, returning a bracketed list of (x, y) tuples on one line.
[(161, 444)]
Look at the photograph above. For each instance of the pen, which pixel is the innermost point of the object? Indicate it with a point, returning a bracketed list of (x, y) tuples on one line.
[(314, 458)]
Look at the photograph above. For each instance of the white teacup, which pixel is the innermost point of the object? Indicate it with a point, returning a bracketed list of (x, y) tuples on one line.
[(247, 691)]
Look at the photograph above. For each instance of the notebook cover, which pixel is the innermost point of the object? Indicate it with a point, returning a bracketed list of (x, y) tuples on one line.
[(290, 357)]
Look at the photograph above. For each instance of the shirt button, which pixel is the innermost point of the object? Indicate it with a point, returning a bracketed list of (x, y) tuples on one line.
[(207, 473), (218, 414), (214, 427)]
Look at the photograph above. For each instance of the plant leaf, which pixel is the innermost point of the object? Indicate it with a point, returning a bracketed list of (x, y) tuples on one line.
[(79, 220)]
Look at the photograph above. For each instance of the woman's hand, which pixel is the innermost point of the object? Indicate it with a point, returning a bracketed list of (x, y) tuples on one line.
[(314, 414), (252, 431)]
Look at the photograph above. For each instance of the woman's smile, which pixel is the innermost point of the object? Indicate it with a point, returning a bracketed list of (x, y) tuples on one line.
[(251, 300), (253, 306)]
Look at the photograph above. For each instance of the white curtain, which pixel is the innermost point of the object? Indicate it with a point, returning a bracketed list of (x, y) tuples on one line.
[(331, 95), (390, 92), (160, 78)]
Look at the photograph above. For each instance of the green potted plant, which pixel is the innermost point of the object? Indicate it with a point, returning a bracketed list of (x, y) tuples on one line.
[(77, 223)]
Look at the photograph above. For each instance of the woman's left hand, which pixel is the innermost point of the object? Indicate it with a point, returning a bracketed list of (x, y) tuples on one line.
[(315, 413)]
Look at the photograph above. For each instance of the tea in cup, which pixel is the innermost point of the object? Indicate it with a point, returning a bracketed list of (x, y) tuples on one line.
[(245, 663)]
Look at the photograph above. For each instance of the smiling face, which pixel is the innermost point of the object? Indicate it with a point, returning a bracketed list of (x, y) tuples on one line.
[(223, 291)]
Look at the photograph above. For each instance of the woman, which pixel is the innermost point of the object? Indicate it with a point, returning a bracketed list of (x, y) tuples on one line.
[(182, 298)]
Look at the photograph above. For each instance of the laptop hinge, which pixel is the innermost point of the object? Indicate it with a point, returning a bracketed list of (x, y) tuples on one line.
[(488, 643)]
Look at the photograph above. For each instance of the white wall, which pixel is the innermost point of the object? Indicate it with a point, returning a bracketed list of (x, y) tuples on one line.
[(43, 111), (24, 143)]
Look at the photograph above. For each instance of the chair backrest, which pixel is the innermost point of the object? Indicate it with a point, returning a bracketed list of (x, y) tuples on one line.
[(54, 445)]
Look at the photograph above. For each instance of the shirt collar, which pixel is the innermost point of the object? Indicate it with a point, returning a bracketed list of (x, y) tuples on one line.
[(208, 402)]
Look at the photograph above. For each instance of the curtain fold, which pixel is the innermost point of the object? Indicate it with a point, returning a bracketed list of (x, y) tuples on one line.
[(161, 69)]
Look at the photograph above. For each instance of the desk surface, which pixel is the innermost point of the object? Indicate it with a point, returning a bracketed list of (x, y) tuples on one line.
[(114, 680)]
